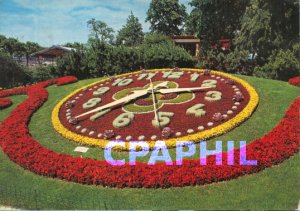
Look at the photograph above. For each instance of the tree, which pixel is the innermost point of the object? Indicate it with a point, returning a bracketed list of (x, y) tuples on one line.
[(100, 31), (31, 47), (268, 25), (212, 20), (166, 16), (101, 35), (132, 33), (11, 73), (10, 45), (74, 63)]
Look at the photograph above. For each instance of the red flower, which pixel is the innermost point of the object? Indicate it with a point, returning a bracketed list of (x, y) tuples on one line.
[(5, 102), (295, 81)]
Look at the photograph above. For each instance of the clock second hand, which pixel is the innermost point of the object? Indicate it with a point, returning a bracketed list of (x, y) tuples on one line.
[(154, 102)]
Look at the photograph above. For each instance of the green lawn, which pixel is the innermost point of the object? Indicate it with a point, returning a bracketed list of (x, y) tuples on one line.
[(275, 188)]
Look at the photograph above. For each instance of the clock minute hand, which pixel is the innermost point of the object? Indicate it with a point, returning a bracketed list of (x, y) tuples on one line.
[(167, 91), (154, 103)]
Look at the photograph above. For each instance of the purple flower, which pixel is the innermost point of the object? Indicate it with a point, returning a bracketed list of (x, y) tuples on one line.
[(167, 132), (69, 104), (108, 134), (230, 81), (206, 72), (218, 117), (73, 121), (238, 97)]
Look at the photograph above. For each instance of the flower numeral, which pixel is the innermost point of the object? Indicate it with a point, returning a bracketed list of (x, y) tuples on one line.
[(213, 96), (101, 91), (209, 83), (91, 103), (194, 77), (172, 75), (146, 75), (99, 114), (196, 110), (123, 120), (122, 82), (164, 118)]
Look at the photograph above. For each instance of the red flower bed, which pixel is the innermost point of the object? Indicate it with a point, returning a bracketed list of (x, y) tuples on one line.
[(5, 102), (16, 141), (295, 81), (66, 80)]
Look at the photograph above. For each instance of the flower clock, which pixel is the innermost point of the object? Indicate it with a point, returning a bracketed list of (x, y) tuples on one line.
[(169, 105), (190, 104)]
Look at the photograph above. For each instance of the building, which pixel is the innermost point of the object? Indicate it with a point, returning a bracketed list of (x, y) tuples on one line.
[(189, 42), (48, 55)]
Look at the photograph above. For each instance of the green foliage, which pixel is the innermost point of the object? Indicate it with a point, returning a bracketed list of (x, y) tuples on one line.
[(238, 62), (214, 60), (15, 48), (41, 73), (156, 38), (100, 32), (11, 73), (10, 45), (74, 63), (158, 51), (99, 59), (213, 20), (166, 55), (166, 16), (282, 65), (268, 25), (132, 33), (30, 48), (126, 59)]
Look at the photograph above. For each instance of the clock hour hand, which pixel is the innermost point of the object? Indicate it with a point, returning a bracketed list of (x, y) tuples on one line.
[(172, 90), (134, 95)]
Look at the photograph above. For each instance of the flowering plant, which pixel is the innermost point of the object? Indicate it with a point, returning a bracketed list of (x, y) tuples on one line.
[(295, 81), (5, 102)]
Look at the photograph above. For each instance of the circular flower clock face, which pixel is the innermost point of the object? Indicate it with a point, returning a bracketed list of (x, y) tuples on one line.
[(165, 104)]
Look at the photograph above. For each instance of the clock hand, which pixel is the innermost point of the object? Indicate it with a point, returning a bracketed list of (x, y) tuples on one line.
[(167, 91), (134, 95), (154, 103)]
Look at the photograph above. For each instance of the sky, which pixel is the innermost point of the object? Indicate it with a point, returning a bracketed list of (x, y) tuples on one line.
[(53, 22)]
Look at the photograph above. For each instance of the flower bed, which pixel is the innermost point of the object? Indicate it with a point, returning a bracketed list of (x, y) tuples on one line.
[(180, 122), (5, 102), (16, 141), (295, 81)]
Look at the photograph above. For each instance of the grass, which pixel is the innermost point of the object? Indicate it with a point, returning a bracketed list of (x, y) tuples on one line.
[(275, 188)]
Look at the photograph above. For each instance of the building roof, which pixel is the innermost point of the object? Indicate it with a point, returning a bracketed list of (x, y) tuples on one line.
[(53, 51), (185, 39)]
